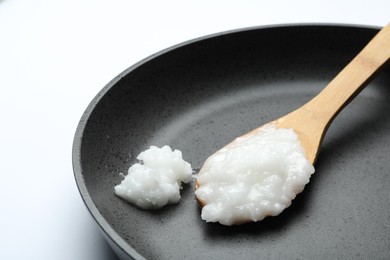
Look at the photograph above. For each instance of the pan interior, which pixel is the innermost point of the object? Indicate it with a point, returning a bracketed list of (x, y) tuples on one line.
[(198, 97)]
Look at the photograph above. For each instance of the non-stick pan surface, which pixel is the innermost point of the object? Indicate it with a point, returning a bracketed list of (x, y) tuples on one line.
[(198, 96)]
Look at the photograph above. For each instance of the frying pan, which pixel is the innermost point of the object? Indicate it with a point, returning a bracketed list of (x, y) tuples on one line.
[(199, 95)]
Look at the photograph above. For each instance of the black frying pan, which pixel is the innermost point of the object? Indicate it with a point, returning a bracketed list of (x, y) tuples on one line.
[(197, 97)]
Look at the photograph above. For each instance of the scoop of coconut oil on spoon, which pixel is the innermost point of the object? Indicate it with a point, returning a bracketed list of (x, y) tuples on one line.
[(260, 173)]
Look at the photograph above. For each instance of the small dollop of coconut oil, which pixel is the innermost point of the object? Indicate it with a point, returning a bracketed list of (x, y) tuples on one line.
[(253, 177), (156, 180)]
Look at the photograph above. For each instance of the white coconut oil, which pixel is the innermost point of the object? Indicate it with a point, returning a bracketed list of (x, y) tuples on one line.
[(255, 176), (156, 180)]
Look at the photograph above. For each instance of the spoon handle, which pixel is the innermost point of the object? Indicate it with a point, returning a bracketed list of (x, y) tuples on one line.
[(352, 79), (311, 121)]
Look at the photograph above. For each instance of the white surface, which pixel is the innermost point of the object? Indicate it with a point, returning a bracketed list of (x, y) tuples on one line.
[(56, 55)]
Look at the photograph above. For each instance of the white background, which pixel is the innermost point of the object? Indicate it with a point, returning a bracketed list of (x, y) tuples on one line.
[(54, 58)]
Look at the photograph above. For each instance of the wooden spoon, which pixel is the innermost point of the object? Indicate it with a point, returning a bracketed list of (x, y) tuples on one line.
[(311, 121)]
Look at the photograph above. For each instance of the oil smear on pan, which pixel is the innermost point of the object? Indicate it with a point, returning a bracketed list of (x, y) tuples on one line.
[(253, 177), (156, 180)]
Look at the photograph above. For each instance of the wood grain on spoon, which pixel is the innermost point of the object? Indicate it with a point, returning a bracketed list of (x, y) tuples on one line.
[(311, 121)]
